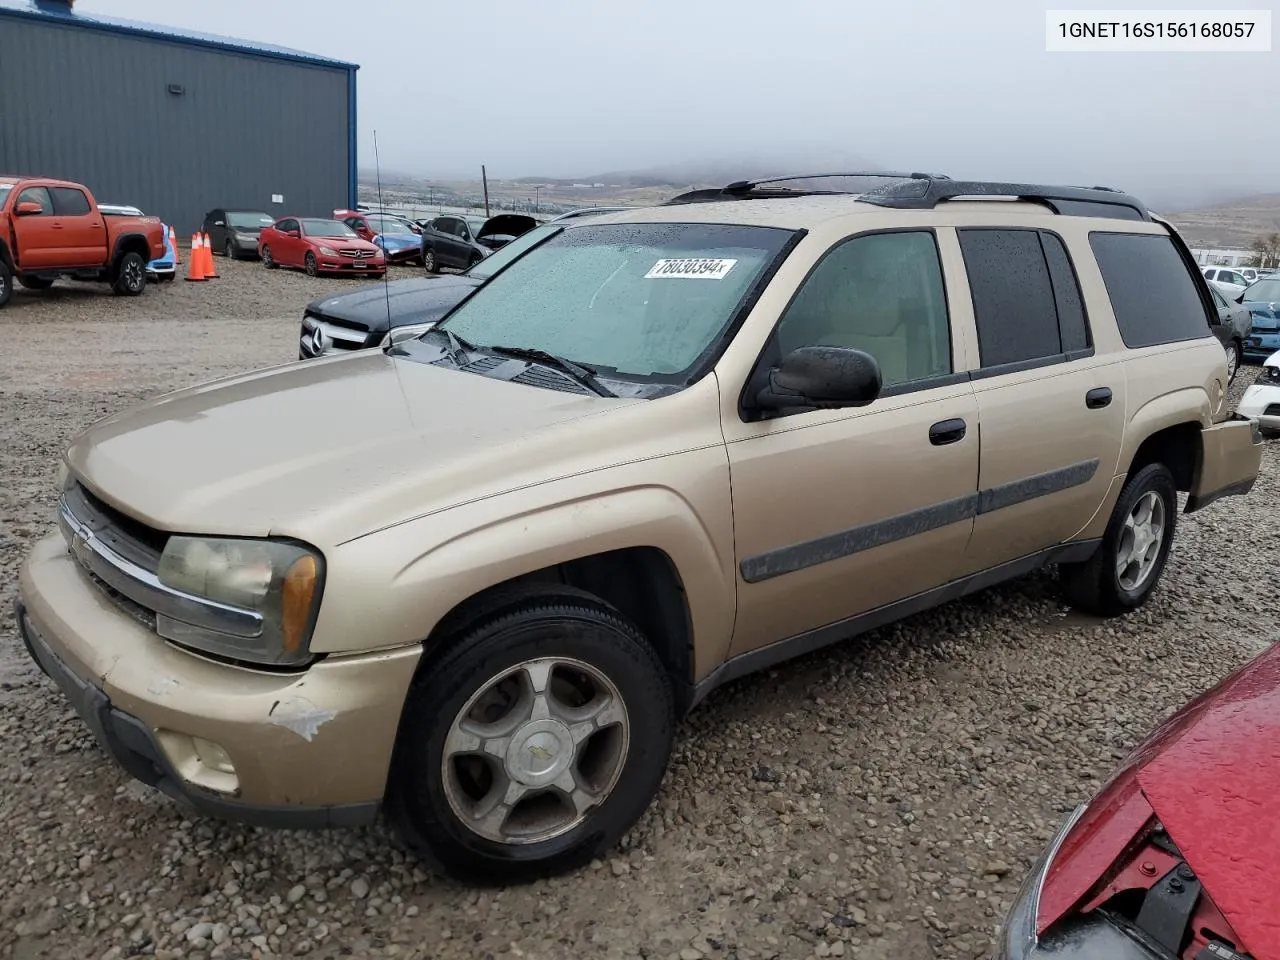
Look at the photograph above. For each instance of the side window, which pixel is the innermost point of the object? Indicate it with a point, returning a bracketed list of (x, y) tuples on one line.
[(881, 293), (1072, 325), (1219, 300), (1152, 291), (287, 225), (445, 225), (37, 195), (1015, 301), (1232, 277), (69, 202)]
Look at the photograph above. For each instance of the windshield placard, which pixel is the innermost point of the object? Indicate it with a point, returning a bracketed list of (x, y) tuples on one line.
[(700, 268)]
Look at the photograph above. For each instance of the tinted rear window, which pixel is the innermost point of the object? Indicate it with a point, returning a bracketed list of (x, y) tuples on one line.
[(1013, 300), (1153, 293)]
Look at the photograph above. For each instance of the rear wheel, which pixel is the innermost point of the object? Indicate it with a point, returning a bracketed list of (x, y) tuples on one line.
[(1124, 571), (429, 260), (268, 260), (36, 283), (533, 742), (131, 275), (309, 261), (6, 283)]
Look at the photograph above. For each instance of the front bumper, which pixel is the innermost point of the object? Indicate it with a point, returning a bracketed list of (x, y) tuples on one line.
[(1259, 346), (306, 749), (319, 337), (1261, 401), (349, 265), (1231, 455)]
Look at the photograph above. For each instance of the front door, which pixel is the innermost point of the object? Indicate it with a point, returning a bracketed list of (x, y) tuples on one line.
[(839, 512), (1052, 412), (84, 232), (39, 235)]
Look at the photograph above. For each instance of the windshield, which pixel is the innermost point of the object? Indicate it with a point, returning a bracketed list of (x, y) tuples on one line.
[(491, 264), (248, 221), (388, 225), (475, 223), (1263, 290), (636, 300), (326, 228)]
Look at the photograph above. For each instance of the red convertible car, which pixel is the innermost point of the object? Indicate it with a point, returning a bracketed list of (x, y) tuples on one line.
[(318, 246), (1177, 857)]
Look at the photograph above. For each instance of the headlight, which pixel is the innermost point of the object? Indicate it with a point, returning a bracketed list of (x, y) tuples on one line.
[(246, 238), (409, 332), (281, 582), (328, 251), (64, 476), (1018, 942)]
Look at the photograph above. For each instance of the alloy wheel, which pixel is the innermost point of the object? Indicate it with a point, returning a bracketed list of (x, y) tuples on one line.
[(1140, 541)]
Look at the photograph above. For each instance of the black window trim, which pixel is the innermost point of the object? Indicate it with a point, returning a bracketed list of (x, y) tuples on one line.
[(1067, 356), (1188, 261), (748, 413)]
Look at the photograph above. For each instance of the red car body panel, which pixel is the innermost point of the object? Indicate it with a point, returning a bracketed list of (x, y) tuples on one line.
[(288, 250), (1211, 775)]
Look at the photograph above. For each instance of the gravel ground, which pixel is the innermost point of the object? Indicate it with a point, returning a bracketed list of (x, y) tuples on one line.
[(881, 799)]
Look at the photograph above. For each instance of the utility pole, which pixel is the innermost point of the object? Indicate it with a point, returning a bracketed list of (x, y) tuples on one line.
[(537, 196), (484, 177)]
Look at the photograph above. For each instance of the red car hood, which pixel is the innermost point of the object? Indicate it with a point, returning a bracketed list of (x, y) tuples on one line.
[(356, 242), (1212, 776)]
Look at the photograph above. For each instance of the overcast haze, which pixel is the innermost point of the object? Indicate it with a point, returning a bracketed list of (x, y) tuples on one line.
[(573, 88)]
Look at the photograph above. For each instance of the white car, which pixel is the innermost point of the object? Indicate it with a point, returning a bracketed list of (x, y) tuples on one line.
[(1228, 282), (1261, 401)]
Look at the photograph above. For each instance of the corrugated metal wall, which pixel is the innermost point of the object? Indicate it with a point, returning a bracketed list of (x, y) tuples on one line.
[(95, 107)]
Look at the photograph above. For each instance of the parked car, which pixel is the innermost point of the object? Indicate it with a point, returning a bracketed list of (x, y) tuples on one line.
[(53, 228), (399, 239), (1262, 300), (364, 318), (318, 246), (234, 233), (1175, 856), (1230, 283), (1261, 399), (462, 242), (1231, 326), (162, 269), (475, 579)]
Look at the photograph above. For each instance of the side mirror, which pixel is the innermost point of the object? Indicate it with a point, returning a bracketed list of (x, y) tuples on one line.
[(28, 208), (822, 378), (293, 233), (1240, 299)]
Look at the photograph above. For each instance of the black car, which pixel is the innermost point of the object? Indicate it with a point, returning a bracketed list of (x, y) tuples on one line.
[(462, 242), (234, 233), (362, 319)]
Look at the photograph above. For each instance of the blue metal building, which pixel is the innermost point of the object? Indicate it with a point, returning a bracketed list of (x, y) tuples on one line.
[(174, 122)]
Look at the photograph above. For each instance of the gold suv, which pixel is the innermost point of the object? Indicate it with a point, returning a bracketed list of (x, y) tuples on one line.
[(473, 580)]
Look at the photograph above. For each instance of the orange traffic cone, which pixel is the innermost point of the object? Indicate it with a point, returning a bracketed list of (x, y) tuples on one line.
[(210, 268), (173, 241), (195, 267)]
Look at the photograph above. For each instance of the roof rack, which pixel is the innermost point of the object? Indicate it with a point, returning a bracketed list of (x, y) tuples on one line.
[(1068, 201), (924, 191)]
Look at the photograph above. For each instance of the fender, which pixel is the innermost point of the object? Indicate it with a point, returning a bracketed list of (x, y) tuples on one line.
[(125, 239), (423, 569), (6, 257), (1187, 405)]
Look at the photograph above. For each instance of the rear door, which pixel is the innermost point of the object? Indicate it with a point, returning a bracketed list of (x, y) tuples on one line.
[(84, 232), (39, 237), (1052, 411)]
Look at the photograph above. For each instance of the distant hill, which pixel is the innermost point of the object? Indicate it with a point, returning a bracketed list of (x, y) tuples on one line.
[(1233, 225)]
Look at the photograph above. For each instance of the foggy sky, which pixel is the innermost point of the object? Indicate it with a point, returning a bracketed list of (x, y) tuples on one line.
[(578, 87)]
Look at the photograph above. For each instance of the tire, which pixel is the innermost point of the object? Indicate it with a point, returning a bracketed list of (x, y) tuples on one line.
[(1234, 354), (36, 283), (312, 267), (269, 261), (229, 251), (131, 275), (1098, 585), (439, 783), (6, 283), (429, 263)]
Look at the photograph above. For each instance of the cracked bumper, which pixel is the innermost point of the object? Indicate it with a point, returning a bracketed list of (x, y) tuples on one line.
[(308, 749)]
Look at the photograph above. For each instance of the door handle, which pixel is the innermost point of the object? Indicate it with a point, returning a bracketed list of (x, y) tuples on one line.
[(947, 431), (1097, 398)]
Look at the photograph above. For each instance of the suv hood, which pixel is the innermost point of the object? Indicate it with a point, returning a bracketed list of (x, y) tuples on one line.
[(506, 225), (1212, 775), (329, 450), (411, 301)]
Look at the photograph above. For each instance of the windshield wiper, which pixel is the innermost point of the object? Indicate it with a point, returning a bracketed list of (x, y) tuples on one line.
[(575, 371)]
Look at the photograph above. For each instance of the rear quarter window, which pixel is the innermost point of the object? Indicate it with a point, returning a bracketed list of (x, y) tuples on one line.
[(1153, 293)]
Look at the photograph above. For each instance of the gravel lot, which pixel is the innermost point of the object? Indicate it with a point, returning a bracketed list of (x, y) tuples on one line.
[(881, 799)]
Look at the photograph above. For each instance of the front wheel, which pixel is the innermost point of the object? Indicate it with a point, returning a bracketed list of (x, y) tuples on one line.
[(229, 251), (309, 261), (6, 283), (533, 742), (1124, 571), (268, 261), (131, 275), (429, 260)]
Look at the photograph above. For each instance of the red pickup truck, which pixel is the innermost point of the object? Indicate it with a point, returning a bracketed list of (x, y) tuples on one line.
[(52, 228)]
